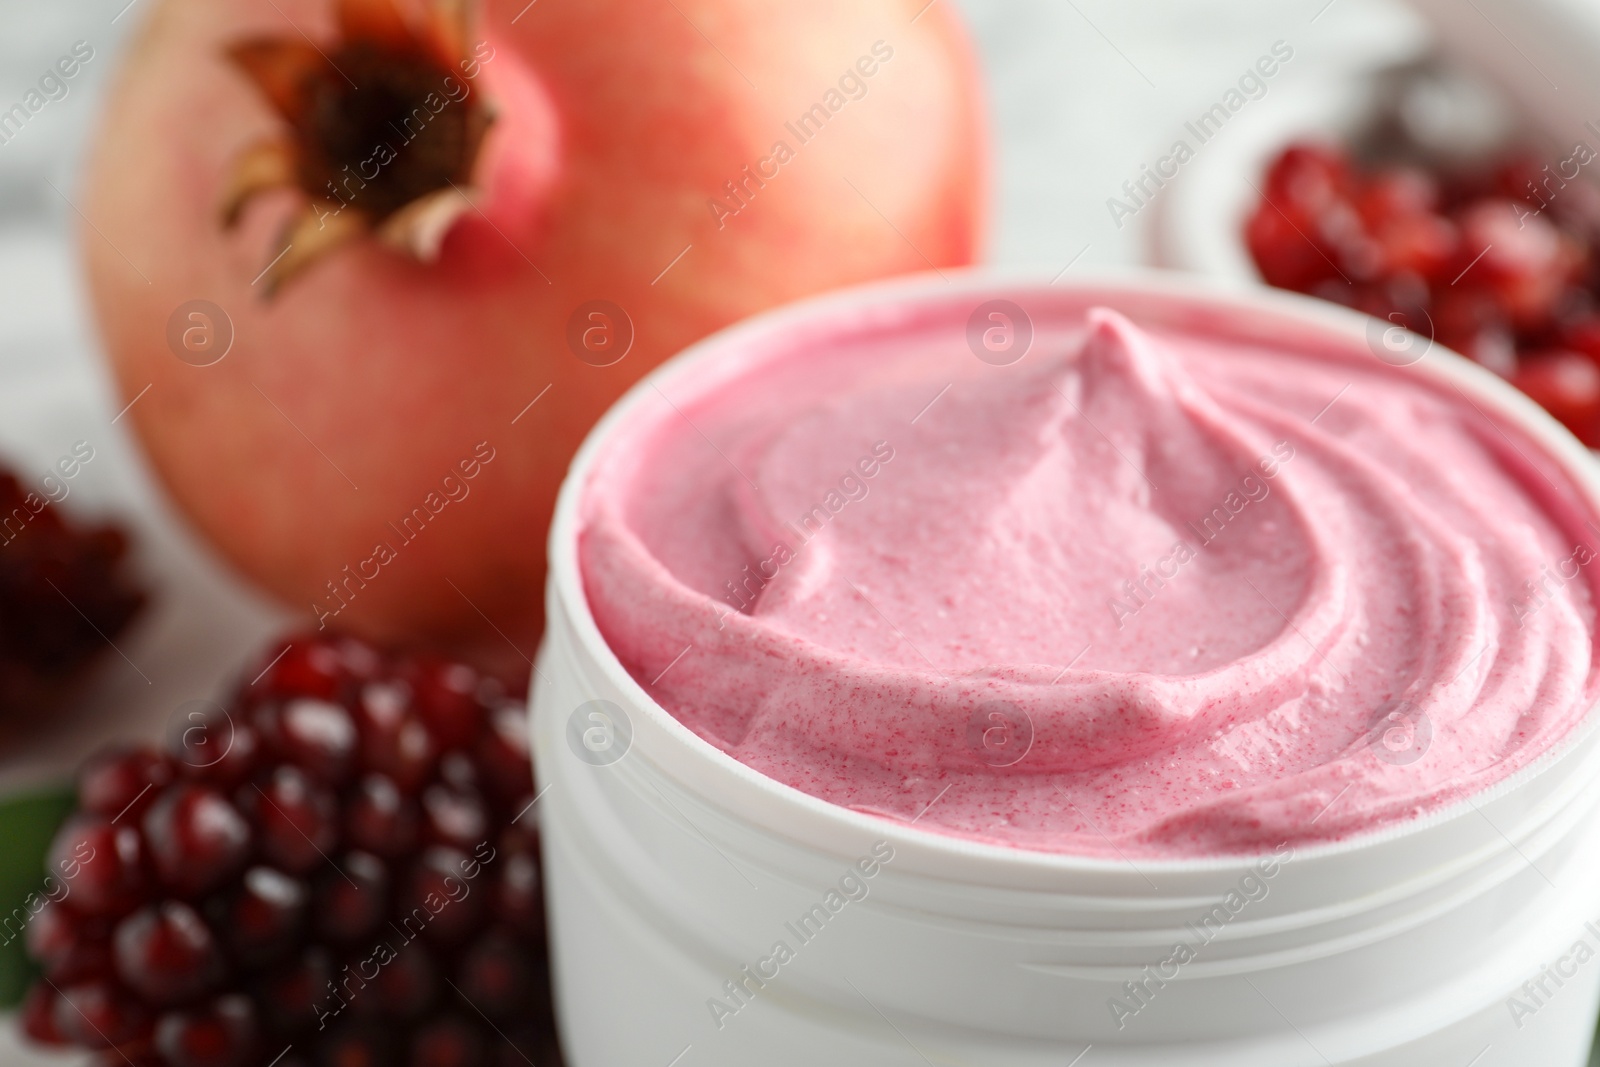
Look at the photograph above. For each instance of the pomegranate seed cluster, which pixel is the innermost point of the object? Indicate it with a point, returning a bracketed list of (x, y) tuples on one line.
[(340, 868), (63, 593), (1497, 263)]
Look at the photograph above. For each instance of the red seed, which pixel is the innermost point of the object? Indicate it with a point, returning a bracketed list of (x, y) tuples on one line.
[(123, 781), (69, 946), (297, 820), (197, 840), (222, 1034), (38, 1016), (351, 900), (315, 735), (380, 819), (103, 863), (1568, 386), (450, 1041), (521, 834), (1583, 335), (167, 954), (518, 896), (453, 817), (1285, 253), (359, 660), (502, 753), (97, 1014), (409, 984), (446, 696), (357, 1044), (437, 899), (303, 667), (1306, 178), (496, 976), (265, 917), (1422, 245), (534, 1042), (290, 996), (221, 747), (1523, 265), (1396, 193), (394, 742)]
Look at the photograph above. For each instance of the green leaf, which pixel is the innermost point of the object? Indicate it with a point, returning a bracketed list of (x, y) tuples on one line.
[(27, 823)]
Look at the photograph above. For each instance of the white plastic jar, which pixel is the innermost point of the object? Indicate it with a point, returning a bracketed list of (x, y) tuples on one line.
[(703, 914)]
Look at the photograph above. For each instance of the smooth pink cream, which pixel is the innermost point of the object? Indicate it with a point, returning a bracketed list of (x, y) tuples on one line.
[(1142, 592)]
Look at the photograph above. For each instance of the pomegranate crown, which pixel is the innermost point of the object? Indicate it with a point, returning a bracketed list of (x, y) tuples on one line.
[(384, 131)]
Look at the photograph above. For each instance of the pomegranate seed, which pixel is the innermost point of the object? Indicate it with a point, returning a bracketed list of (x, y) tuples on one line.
[(459, 772), (352, 901), (380, 819), (222, 748), (453, 817), (298, 820), (359, 660), (123, 781), (167, 953), (288, 997), (197, 840), (1513, 177), (1568, 386), (1285, 254), (382, 705), (394, 742), (69, 946), (437, 876), (1495, 348), (521, 835), (1397, 193), (97, 1014), (266, 915), (104, 862), (64, 599), (314, 735), (409, 984), (1421, 245), (496, 976), (446, 696), (1525, 265), (38, 1016), (221, 1035), (305, 667), (1306, 178), (357, 1044), (531, 1043), (502, 753), (451, 1041), (518, 898), (1583, 336)]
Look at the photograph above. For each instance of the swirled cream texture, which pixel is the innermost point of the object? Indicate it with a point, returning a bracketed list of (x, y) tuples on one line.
[(1146, 591)]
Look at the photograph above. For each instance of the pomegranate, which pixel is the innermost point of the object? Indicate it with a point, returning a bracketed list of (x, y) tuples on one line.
[(65, 594), (420, 252)]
